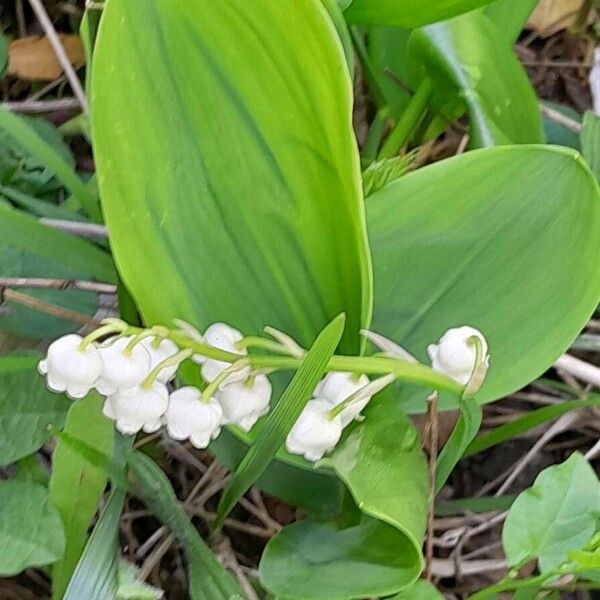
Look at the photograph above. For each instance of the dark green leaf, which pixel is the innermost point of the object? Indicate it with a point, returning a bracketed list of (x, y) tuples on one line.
[(420, 590), (31, 532), (281, 419), (465, 255), (558, 134)]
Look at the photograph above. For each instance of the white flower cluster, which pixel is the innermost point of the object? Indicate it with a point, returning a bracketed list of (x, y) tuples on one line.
[(134, 373), (122, 367)]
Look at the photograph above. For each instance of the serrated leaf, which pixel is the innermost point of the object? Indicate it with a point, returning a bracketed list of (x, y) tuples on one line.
[(281, 419), (382, 172)]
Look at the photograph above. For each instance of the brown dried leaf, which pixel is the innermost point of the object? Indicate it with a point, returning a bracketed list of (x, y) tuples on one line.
[(33, 58), (551, 16)]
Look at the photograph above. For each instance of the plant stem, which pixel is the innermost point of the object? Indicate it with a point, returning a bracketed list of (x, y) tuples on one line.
[(369, 153), (408, 121)]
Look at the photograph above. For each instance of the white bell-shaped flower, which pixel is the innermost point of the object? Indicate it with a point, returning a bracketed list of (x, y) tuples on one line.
[(223, 337), (138, 408), (337, 386), (121, 370), (70, 369), (244, 402), (314, 433), (455, 354), (188, 417), (165, 349)]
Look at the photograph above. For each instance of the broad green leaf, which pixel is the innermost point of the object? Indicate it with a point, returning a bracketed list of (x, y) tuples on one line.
[(247, 199), (337, 18), (467, 56), (208, 579), (556, 515), (30, 249), (420, 590), (96, 574), (76, 485), (527, 422), (281, 419), (31, 532), (485, 504), (510, 16), (313, 561), (407, 13), (45, 153), (383, 466), (590, 141), (558, 134), (462, 435), (449, 243), (28, 411)]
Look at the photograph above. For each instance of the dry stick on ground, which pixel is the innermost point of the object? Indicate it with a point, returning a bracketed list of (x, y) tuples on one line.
[(58, 284), (561, 119), (41, 106), (579, 369), (432, 430), (87, 230), (46, 307), (61, 55)]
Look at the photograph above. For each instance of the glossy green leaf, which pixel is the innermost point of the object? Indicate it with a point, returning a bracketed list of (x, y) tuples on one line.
[(527, 422), (420, 590), (311, 561), (556, 515), (208, 579), (247, 199), (76, 485), (469, 240), (31, 532), (462, 435), (41, 150), (383, 466), (407, 13), (281, 419), (467, 56), (28, 411), (510, 16), (590, 141), (31, 249)]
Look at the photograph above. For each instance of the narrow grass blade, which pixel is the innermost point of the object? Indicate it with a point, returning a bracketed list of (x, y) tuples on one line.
[(282, 417), (30, 141), (463, 433), (529, 421), (208, 579)]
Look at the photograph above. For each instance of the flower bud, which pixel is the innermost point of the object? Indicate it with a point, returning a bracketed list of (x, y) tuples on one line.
[(120, 370), (244, 402), (138, 408), (314, 433), (188, 417), (165, 349), (337, 386), (455, 354), (70, 369), (223, 337)]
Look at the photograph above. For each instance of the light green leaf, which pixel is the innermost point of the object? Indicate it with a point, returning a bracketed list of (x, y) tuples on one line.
[(590, 141), (31, 532), (462, 435), (208, 579), (28, 412), (76, 485), (467, 56), (407, 13), (131, 588), (382, 172), (556, 515), (383, 466), (247, 199), (420, 590), (527, 422), (312, 561), (510, 16), (281, 419), (445, 258)]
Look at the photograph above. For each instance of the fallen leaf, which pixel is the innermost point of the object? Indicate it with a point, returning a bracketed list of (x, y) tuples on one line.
[(551, 16), (33, 58)]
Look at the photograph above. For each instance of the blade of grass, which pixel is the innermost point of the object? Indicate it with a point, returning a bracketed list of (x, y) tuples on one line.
[(282, 418), (526, 423), (30, 141), (463, 433), (208, 579)]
